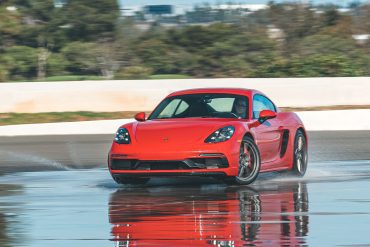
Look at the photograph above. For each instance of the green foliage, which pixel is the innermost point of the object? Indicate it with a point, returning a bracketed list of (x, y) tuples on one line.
[(240, 55), (337, 49), (56, 65), (3, 74), (80, 58), (295, 20), (41, 10), (163, 58), (52, 117), (196, 38), (133, 72), (169, 76), (326, 44), (324, 65), (361, 20), (40, 23), (315, 66), (73, 78), (84, 39), (331, 16), (20, 61), (10, 26), (91, 20)]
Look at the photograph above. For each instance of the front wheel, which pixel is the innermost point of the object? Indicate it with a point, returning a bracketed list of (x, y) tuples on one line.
[(249, 162)]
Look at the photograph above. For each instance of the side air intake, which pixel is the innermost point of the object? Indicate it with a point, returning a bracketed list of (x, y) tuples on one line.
[(284, 143)]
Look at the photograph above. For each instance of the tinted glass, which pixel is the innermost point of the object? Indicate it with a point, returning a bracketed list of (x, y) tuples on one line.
[(202, 105), (261, 103)]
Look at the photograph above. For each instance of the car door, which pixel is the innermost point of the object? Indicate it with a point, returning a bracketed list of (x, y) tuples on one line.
[(268, 135)]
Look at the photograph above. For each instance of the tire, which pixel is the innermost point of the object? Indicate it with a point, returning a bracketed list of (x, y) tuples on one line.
[(300, 155), (249, 162), (129, 180)]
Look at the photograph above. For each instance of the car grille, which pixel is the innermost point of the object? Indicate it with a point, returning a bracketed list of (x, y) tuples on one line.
[(120, 164), (193, 163)]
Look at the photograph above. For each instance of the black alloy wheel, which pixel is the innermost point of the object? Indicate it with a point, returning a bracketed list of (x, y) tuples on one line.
[(300, 156), (249, 162)]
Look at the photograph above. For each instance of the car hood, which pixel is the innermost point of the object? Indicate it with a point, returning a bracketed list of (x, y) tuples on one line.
[(176, 131)]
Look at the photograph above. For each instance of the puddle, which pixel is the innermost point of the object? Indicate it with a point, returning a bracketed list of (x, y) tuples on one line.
[(328, 207)]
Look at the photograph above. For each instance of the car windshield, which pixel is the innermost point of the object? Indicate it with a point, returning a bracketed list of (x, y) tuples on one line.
[(202, 105)]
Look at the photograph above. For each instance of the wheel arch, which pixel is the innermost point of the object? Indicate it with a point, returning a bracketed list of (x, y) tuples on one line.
[(248, 134), (301, 128)]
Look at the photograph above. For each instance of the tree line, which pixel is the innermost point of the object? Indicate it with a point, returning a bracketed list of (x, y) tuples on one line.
[(40, 40)]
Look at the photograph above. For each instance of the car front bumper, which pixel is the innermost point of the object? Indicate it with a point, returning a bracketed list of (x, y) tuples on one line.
[(219, 159)]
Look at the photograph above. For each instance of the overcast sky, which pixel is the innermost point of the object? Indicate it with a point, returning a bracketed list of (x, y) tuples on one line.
[(192, 2)]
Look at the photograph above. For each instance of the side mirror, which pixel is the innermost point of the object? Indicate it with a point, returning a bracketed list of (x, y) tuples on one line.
[(140, 117), (265, 115)]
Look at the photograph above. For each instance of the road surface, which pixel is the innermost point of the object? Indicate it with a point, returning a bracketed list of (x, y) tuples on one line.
[(69, 199)]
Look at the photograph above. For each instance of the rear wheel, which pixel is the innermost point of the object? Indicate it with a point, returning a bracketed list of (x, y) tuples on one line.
[(300, 155), (249, 162)]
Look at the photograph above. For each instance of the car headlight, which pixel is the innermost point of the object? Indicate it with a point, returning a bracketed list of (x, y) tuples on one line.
[(221, 135), (122, 136)]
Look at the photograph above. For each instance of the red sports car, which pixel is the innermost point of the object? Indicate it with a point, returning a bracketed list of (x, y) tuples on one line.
[(228, 133)]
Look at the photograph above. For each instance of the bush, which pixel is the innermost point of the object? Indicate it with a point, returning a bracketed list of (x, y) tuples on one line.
[(21, 62), (56, 65), (81, 58), (325, 65), (133, 72), (3, 75)]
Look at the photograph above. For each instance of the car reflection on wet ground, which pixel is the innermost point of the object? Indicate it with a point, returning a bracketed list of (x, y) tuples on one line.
[(329, 207), (223, 216)]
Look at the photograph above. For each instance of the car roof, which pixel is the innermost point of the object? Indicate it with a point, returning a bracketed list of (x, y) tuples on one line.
[(241, 91)]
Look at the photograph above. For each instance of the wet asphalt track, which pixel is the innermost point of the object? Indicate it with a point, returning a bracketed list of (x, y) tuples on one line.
[(70, 200)]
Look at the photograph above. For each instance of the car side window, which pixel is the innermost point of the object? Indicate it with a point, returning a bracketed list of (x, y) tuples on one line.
[(261, 103), (181, 108), (170, 109)]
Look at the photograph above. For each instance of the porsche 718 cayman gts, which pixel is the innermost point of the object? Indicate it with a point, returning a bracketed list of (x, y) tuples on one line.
[(232, 134)]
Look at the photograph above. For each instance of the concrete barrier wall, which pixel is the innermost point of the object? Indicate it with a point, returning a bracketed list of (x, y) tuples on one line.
[(313, 121), (137, 95)]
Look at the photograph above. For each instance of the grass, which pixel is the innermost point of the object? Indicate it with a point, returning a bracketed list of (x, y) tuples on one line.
[(325, 108), (169, 76), (93, 78), (73, 78), (52, 117)]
